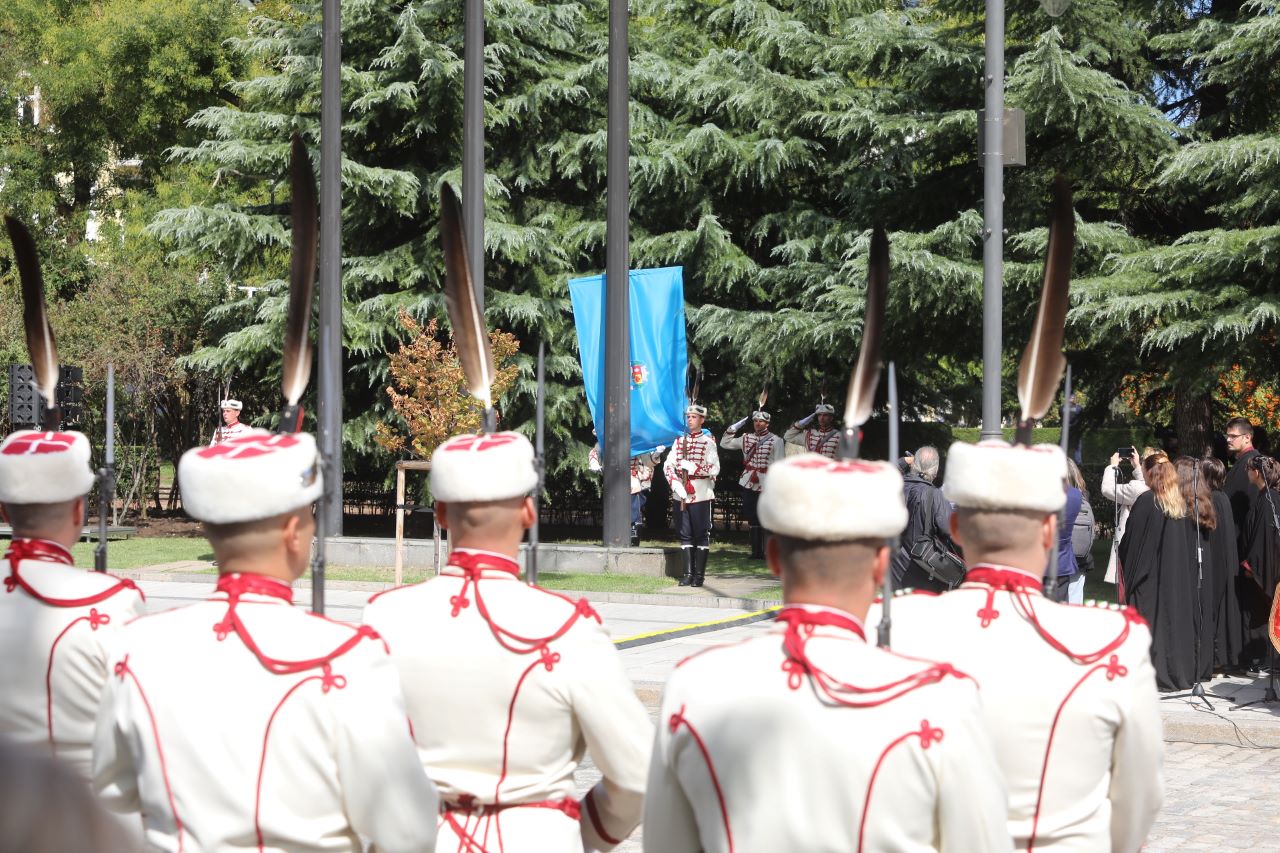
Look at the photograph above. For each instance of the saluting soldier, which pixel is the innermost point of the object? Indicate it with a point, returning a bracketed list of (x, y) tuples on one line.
[(809, 737), (1068, 693), (821, 438), (508, 684), (57, 622), (691, 469), (760, 449), (242, 722), (230, 426)]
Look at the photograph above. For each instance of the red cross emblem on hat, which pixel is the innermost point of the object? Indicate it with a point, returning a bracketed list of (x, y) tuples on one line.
[(31, 443), (248, 446), (481, 443), (842, 466)]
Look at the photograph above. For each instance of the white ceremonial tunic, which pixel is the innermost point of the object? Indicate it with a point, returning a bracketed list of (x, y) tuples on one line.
[(57, 626), (809, 739), (507, 686), (242, 723), (1069, 698), (642, 471), (814, 440), (759, 451), (223, 433), (695, 458)]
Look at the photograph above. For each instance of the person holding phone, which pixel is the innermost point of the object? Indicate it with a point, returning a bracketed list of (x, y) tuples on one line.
[(1123, 495)]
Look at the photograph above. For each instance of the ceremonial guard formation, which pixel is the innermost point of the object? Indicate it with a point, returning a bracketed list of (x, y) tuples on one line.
[(691, 468), (1068, 692), (760, 449), (823, 438), (57, 623), (642, 466), (809, 737), (241, 721), (230, 426), (509, 684)]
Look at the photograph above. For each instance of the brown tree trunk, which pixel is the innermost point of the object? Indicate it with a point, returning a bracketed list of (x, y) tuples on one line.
[(1192, 421)]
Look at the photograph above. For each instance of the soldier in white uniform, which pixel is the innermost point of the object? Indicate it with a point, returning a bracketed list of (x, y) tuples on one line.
[(508, 684), (242, 722), (231, 426), (57, 622), (760, 449), (691, 469), (809, 737), (823, 438), (1068, 692), (642, 466)]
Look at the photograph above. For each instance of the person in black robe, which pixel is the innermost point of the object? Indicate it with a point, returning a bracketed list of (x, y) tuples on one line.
[(1262, 557), (1159, 563), (1241, 493), (1224, 557)]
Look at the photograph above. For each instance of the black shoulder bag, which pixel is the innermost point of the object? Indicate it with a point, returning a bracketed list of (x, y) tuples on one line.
[(931, 556)]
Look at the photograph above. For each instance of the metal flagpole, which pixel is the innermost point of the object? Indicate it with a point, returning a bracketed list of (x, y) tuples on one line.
[(473, 142), (539, 461), (617, 333), (992, 219), (107, 474)]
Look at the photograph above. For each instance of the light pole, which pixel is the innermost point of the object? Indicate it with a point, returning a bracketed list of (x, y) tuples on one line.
[(992, 219)]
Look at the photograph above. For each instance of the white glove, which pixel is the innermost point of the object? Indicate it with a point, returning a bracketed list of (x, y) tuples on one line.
[(739, 425), (687, 466), (660, 448), (804, 422)]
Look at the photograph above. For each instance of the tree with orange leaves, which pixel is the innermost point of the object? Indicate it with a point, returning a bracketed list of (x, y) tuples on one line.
[(429, 390)]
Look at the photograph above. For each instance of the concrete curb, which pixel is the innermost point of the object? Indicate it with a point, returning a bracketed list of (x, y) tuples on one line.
[(658, 598)]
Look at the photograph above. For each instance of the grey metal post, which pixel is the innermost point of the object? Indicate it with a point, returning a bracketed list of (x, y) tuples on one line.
[(993, 220), (329, 337), (473, 142), (617, 332)]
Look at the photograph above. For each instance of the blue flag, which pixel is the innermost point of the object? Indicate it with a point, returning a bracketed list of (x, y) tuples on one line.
[(659, 355)]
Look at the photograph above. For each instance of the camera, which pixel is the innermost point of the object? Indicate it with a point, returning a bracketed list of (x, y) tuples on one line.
[(1126, 453)]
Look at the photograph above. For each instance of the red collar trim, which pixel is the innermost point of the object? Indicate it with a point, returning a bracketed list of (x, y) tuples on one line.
[(237, 584), (796, 615), (38, 549), (42, 550), (1003, 578), (465, 558)]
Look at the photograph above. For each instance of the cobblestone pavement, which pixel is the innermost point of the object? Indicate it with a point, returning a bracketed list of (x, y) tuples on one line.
[(1216, 798)]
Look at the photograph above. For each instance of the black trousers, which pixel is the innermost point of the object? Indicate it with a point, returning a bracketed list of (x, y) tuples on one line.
[(750, 506), (694, 524)]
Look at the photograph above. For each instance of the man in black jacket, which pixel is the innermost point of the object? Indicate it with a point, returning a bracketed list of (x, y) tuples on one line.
[(928, 514), (1242, 493)]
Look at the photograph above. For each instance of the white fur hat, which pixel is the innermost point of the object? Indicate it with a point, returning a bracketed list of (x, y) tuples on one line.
[(1000, 476), (761, 416), (231, 404), (250, 477), (811, 497), (825, 409), (695, 409), (492, 467), (44, 467)]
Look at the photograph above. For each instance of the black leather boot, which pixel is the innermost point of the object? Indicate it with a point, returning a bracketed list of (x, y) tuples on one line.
[(687, 553), (757, 543), (699, 566)]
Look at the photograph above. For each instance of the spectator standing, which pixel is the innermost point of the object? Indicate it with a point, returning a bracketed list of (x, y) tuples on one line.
[(1159, 570), (928, 515), (1067, 568), (1261, 558), (1224, 560), (1241, 493), (1123, 495), (1081, 536)]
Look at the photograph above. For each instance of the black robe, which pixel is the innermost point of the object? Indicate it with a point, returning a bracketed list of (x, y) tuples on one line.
[(1158, 558), (1229, 619), (1262, 572)]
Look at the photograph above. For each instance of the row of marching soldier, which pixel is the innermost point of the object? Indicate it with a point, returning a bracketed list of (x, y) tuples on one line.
[(455, 716)]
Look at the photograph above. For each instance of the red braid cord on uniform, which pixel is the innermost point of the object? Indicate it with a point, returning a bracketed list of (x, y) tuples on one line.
[(801, 624), (1020, 587), (679, 719), (96, 620), (928, 736), (473, 566), (42, 550), (236, 585)]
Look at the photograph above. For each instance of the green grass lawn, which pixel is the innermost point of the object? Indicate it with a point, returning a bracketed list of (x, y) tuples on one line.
[(138, 553)]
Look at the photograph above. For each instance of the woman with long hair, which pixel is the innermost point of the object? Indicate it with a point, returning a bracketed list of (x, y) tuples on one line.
[(1262, 553), (1228, 634), (1160, 568), (1081, 535)]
